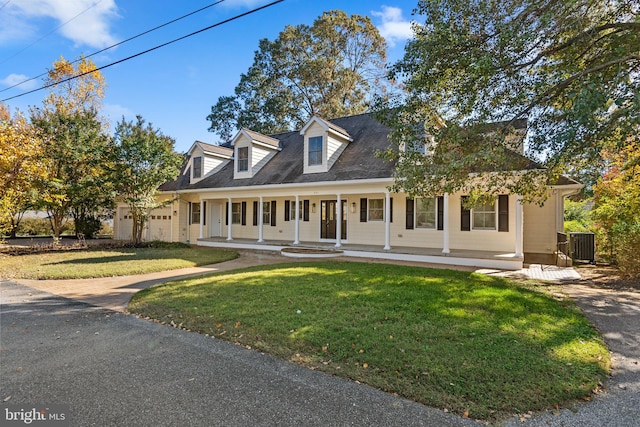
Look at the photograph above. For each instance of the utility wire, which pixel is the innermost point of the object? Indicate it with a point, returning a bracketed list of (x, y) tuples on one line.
[(148, 50), (47, 34), (6, 3), (119, 43)]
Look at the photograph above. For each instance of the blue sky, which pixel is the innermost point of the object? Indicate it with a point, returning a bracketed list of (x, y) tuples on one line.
[(173, 87)]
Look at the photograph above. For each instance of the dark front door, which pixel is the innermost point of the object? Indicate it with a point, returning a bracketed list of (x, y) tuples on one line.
[(328, 219)]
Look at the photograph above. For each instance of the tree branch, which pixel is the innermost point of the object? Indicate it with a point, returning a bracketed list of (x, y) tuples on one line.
[(566, 82)]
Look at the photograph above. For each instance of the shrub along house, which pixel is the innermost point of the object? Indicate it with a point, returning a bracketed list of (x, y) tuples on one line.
[(324, 186)]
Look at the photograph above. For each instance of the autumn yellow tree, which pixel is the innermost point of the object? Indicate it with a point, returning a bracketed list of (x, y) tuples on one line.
[(617, 207), (22, 166), (75, 87), (76, 145)]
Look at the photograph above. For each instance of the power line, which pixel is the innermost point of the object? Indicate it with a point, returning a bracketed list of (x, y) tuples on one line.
[(119, 43), (6, 3), (49, 33), (148, 50)]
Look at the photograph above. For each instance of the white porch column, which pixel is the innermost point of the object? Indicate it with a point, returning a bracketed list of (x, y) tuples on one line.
[(260, 239), (296, 240), (230, 216), (519, 227), (387, 222), (202, 213), (339, 222), (445, 225)]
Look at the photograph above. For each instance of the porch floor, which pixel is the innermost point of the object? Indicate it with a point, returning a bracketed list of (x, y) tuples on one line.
[(469, 258)]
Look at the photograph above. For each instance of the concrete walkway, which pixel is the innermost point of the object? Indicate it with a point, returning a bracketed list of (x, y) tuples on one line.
[(115, 292)]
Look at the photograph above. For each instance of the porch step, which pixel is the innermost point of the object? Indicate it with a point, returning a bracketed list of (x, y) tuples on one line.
[(311, 252)]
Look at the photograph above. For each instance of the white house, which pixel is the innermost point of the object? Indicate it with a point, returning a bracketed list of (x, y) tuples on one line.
[(324, 186)]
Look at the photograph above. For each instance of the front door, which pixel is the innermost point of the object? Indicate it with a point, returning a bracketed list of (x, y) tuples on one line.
[(328, 219), (215, 227)]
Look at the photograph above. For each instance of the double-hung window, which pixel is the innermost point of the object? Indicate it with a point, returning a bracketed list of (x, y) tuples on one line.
[(417, 147), (195, 213), (197, 167), (426, 213), (315, 151), (376, 209), (266, 212), (484, 216), (243, 159), (236, 213), (292, 211)]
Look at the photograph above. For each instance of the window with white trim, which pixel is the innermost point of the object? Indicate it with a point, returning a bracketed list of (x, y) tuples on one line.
[(292, 210), (376, 209), (315, 151), (417, 147), (484, 216), (195, 213), (426, 213), (236, 213), (266, 212), (197, 167), (243, 159)]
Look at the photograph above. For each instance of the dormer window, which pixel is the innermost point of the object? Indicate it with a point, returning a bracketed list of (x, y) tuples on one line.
[(417, 147), (324, 142), (315, 151), (243, 159), (197, 167)]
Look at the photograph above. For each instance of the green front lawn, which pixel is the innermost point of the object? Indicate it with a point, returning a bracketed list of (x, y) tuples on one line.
[(78, 264), (473, 344)]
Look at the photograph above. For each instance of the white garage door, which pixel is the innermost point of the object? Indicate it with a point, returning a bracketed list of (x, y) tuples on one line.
[(160, 225), (125, 224)]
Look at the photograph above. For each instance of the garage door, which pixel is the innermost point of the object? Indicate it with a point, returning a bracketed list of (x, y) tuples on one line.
[(160, 225), (125, 224)]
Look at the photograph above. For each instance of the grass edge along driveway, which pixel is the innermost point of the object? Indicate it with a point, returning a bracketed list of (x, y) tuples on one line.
[(480, 346), (94, 263)]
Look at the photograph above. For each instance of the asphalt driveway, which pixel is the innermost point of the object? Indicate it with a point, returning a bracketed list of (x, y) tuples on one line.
[(113, 369)]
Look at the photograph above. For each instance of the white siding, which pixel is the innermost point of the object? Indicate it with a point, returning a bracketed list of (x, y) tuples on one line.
[(334, 149), (540, 227)]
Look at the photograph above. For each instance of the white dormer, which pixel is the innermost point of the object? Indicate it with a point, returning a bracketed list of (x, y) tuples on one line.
[(424, 145), (323, 144), (206, 159), (251, 151)]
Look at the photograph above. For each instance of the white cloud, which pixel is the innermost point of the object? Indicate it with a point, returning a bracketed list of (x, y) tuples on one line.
[(14, 79), (85, 22), (394, 28)]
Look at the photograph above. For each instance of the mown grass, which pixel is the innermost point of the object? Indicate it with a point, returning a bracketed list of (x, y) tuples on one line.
[(78, 264), (473, 344)]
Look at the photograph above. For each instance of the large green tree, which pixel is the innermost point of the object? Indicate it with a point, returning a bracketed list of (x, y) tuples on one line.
[(75, 150), (143, 159), (330, 68), (568, 66), (75, 145)]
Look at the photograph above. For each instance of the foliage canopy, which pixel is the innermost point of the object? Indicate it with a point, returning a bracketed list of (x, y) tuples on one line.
[(569, 67), (329, 68), (143, 159), (75, 146), (22, 167)]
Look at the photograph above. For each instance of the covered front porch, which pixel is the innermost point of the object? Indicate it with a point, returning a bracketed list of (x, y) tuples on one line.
[(457, 257)]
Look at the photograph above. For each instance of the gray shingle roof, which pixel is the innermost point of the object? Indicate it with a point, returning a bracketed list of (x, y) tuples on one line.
[(217, 149), (257, 136), (357, 162)]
